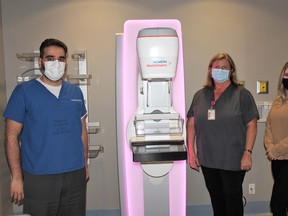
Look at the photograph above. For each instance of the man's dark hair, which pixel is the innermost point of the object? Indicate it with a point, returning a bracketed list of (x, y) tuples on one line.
[(52, 42)]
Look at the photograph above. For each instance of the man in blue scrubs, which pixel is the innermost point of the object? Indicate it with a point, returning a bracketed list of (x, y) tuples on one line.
[(46, 139)]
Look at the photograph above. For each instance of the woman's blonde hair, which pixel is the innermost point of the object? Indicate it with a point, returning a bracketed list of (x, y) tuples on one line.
[(233, 76), (281, 90)]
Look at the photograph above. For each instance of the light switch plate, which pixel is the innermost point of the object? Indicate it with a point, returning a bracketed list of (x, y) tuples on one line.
[(262, 87)]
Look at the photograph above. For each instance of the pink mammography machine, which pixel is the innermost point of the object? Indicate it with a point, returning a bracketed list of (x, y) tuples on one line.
[(150, 118)]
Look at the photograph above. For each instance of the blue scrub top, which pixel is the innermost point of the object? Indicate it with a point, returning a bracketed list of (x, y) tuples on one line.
[(51, 136)]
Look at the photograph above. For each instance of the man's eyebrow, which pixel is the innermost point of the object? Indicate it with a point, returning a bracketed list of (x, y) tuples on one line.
[(63, 56)]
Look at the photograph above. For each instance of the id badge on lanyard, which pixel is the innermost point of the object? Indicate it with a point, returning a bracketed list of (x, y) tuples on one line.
[(211, 111)]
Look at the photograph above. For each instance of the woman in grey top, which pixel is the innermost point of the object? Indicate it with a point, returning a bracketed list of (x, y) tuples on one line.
[(222, 122)]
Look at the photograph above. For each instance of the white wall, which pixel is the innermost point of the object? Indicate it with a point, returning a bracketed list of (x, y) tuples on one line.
[(254, 32)]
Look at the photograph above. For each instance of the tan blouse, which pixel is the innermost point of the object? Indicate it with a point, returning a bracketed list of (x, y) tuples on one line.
[(276, 131)]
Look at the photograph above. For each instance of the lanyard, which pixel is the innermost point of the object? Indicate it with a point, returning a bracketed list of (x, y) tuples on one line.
[(213, 102)]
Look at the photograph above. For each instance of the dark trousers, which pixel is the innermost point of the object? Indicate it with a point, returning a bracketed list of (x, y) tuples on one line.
[(225, 189), (279, 198), (55, 195)]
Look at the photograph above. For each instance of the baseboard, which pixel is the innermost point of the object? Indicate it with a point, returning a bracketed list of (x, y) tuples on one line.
[(251, 209)]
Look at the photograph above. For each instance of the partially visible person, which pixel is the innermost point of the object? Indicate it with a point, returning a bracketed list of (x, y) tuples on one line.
[(222, 123), (46, 139), (276, 145)]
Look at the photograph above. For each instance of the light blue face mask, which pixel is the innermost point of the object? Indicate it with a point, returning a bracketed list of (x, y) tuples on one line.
[(220, 75)]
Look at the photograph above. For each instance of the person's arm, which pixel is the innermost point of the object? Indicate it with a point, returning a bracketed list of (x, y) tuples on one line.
[(276, 151), (268, 140), (268, 137), (12, 150), (190, 139), (246, 162), (85, 144)]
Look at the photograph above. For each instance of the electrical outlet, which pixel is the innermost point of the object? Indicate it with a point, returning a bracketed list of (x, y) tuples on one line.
[(251, 189)]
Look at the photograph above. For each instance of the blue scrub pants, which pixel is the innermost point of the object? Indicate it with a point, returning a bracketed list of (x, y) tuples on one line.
[(55, 195), (225, 189), (279, 198)]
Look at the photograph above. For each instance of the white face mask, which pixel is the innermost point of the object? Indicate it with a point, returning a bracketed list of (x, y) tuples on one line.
[(54, 70), (220, 75)]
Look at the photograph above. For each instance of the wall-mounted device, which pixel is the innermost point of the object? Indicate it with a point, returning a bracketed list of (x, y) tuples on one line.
[(262, 87)]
